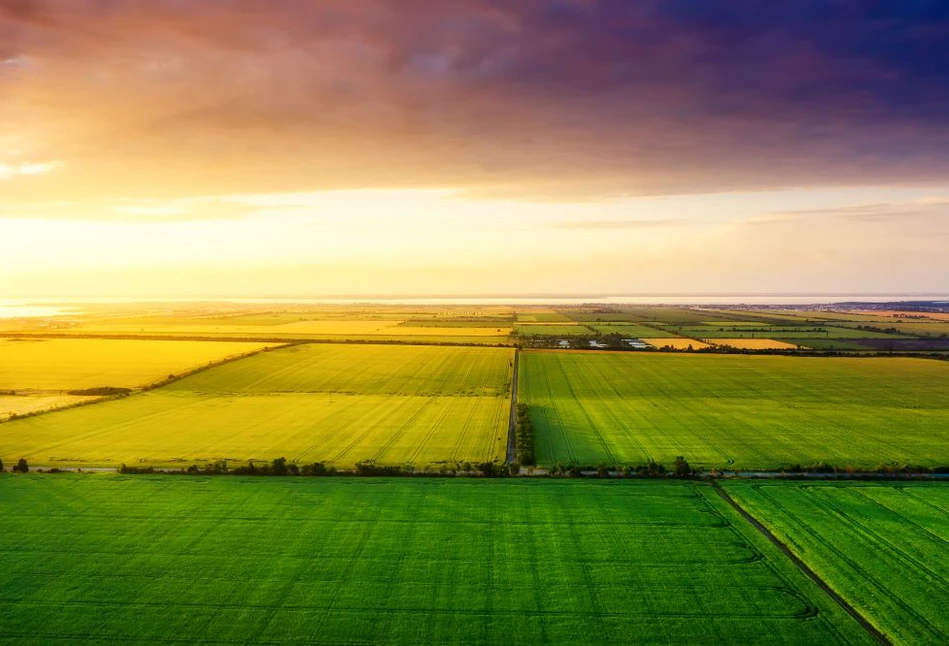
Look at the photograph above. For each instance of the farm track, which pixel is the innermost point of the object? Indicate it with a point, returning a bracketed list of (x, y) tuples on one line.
[(803, 567)]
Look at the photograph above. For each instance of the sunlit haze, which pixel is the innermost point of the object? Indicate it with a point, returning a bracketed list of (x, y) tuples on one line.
[(250, 148)]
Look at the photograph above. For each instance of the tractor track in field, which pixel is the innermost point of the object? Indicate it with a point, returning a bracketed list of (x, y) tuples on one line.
[(872, 630)]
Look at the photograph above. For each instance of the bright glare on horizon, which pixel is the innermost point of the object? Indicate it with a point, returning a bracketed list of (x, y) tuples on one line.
[(165, 149)]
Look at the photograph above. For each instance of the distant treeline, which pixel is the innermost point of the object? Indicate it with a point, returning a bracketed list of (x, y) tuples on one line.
[(580, 343), (680, 469), (102, 391), (282, 467)]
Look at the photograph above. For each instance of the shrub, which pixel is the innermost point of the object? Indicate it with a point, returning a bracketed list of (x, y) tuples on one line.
[(315, 469), (681, 468), (21, 466), (651, 470), (102, 391), (279, 467), (524, 436)]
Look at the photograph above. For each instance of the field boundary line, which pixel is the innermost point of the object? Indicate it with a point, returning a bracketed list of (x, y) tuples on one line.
[(161, 383), (878, 636), (512, 417)]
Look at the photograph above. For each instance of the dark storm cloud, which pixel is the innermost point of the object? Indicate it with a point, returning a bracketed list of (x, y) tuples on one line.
[(556, 100)]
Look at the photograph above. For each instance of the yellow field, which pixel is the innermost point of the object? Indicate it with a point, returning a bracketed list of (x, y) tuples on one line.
[(315, 330), (71, 364), (20, 405), (334, 403), (911, 316), (211, 327), (754, 344), (501, 331), (677, 343)]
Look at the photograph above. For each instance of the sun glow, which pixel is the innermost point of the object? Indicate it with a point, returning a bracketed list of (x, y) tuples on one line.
[(9, 171)]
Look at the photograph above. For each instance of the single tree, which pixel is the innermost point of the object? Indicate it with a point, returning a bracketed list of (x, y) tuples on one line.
[(22, 466), (682, 468), (279, 467)]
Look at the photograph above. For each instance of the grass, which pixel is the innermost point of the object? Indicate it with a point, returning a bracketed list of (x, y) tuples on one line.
[(72, 364), (885, 548), (335, 403), (98, 558), (733, 411)]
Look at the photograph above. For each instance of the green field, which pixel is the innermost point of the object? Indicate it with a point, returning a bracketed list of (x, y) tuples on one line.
[(736, 412), (885, 548), (916, 328), (774, 332), (71, 364), (631, 330), (553, 330), (823, 344), (335, 403), (97, 558)]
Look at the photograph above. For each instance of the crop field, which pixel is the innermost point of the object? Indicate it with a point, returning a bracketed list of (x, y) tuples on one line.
[(542, 316), (72, 364), (455, 323), (630, 330), (756, 344), (22, 404), (94, 558), (553, 330), (785, 332), (885, 548), (598, 315), (369, 330), (339, 404), (904, 315), (920, 328), (829, 344), (736, 412), (676, 342), (680, 316)]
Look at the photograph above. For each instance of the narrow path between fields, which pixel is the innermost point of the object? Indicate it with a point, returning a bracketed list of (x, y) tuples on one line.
[(803, 567), (512, 423)]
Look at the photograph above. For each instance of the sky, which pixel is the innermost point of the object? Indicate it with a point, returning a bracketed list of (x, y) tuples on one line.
[(162, 148)]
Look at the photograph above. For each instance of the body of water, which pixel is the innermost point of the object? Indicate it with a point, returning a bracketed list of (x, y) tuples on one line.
[(48, 307)]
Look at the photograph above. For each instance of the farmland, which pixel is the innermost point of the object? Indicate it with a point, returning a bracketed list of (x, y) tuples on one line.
[(11, 405), (630, 329), (677, 343), (735, 412), (416, 561), (885, 548), (450, 324), (784, 332), (553, 330), (755, 344), (339, 404), (71, 364)]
